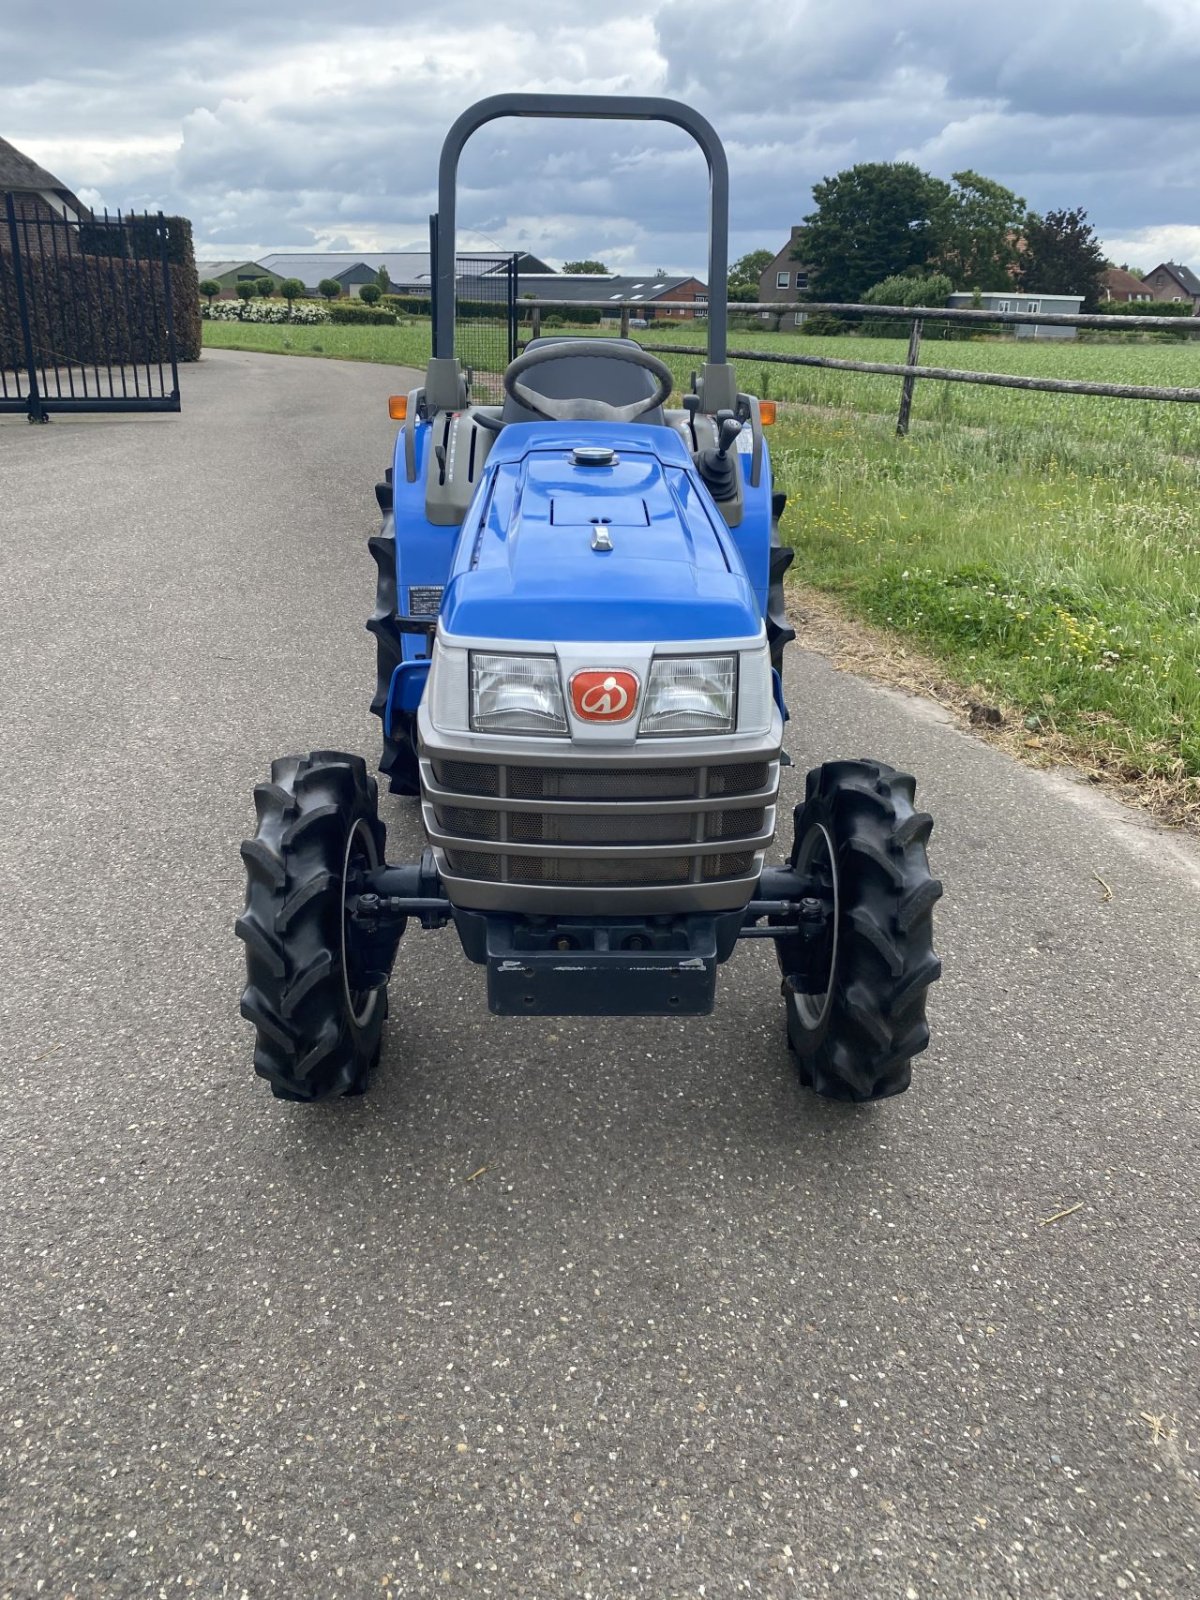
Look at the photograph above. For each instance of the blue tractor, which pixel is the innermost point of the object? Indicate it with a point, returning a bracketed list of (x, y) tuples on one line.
[(580, 629)]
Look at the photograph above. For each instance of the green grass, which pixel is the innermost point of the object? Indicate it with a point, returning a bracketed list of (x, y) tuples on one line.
[(1059, 574), (406, 345)]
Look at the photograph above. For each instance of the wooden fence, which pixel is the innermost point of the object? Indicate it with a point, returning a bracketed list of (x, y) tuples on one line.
[(910, 369)]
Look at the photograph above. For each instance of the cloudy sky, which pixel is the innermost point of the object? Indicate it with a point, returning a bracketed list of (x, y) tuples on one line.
[(296, 127)]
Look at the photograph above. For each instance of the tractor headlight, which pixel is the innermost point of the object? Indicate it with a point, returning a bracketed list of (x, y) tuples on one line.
[(516, 694), (691, 694)]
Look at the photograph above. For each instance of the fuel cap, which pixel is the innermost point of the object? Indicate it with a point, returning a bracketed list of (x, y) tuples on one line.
[(593, 455)]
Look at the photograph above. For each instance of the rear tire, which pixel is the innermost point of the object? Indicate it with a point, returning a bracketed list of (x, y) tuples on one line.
[(317, 820), (398, 761), (855, 1037)]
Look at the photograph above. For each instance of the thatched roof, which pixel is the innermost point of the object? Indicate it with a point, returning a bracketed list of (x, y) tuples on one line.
[(20, 174)]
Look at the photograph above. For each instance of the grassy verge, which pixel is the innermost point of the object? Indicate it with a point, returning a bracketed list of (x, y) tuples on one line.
[(1058, 576), (405, 345)]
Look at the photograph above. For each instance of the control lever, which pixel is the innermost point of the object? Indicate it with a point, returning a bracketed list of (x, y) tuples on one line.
[(717, 466), (728, 429)]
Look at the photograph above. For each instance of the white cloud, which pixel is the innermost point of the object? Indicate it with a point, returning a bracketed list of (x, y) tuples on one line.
[(289, 127)]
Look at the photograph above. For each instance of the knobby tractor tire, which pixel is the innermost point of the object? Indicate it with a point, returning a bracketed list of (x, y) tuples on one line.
[(857, 829), (398, 763), (317, 1037)]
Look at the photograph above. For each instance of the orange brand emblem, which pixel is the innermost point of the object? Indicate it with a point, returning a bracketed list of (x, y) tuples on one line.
[(600, 695)]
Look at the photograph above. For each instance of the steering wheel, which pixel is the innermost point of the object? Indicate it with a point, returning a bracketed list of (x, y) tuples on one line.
[(579, 408)]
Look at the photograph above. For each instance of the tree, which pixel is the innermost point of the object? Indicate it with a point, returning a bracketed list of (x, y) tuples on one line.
[(872, 220), (1062, 256), (979, 232), (330, 288), (264, 287), (908, 289), (745, 273), (245, 289), (594, 267), (210, 289), (291, 289), (383, 280), (370, 294)]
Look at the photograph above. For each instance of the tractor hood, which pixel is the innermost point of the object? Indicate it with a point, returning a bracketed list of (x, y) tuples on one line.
[(531, 562)]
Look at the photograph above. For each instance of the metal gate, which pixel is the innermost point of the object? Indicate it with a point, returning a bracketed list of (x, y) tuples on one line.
[(485, 318), (85, 313)]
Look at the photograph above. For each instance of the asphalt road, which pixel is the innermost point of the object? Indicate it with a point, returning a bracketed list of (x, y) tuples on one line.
[(562, 1307)]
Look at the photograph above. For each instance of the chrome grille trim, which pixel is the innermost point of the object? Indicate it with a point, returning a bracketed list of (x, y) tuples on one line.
[(705, 844)]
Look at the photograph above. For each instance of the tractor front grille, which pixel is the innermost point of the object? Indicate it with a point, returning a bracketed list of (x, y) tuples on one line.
[(579, 826)]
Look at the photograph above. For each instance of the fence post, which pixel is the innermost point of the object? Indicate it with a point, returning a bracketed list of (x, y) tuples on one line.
[(535, 323), (37, 412), (624, 322), (910, 382)]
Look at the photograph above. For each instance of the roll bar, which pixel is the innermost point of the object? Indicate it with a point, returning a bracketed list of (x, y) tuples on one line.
[(600, 107)]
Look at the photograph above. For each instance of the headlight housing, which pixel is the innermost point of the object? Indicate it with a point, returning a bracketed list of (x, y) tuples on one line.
[(516, 694), (691, 694)]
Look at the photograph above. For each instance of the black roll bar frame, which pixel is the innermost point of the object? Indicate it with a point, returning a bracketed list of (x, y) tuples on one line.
[(598, 107)]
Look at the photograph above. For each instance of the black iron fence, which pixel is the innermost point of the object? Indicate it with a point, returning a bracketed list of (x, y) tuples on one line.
[(86, 316)]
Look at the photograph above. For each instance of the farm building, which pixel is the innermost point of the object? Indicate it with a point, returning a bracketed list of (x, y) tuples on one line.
[(1117, 284), (409, 271), (1170, 281), (230, 273), (785, 278), (641, 288), (35, 192), (1063, 305)]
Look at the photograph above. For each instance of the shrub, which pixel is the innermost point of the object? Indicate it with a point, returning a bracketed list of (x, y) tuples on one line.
[(210, 289), (267, 311), (265, 287), (291, 289), (80, 315), (412, 305), (330, 288), (934, 289), (245, 289), (353, 312), (370, 294)]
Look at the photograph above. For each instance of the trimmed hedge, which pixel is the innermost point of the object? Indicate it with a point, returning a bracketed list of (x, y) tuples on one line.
[(102, 300), (82, 311), (353, 311)]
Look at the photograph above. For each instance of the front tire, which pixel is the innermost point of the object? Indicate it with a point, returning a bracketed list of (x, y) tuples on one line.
[(856, 1023), (318, 1035)]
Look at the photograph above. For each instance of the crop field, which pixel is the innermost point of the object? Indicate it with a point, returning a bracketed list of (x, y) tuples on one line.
[(1044, 549)]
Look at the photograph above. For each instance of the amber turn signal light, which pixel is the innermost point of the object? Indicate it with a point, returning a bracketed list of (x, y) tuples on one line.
[(766, 413), (398, 407)]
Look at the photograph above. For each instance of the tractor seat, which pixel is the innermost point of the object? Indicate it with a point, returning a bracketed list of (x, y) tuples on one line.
[(593, 377)]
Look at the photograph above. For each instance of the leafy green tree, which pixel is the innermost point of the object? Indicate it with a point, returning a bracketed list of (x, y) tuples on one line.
[(980, 232), (872, 220), (291, 289), (595, 267), (265, 287), (383, 281), (906, 289), (245, 289), (1062, 256), (370, 294), (210, 289), (330, 288), (745, 273)]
